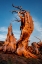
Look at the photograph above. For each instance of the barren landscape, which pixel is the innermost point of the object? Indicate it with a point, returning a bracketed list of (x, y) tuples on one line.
[(18, 51)]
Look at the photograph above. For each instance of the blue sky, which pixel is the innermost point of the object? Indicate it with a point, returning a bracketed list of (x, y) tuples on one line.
[(35, 8)]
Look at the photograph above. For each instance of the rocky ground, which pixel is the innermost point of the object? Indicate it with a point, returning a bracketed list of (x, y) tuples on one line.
[(15, 59), (11, 58)]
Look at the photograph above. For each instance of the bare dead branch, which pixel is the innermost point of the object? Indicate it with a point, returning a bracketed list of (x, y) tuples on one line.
[(18, 7)]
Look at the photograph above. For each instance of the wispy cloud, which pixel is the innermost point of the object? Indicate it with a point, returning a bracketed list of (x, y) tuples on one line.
[(3, 29), (16, 31), (37, 25), (2, 37)]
